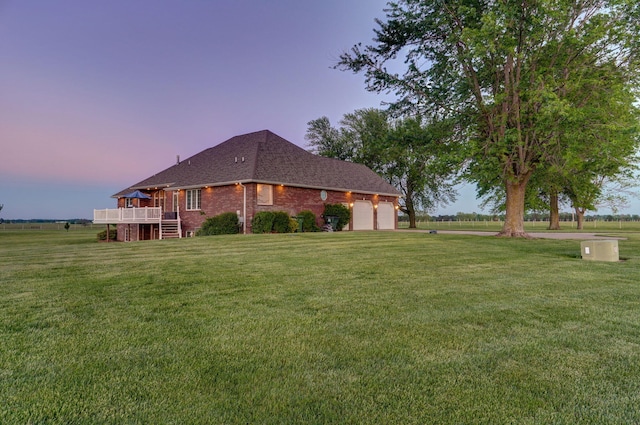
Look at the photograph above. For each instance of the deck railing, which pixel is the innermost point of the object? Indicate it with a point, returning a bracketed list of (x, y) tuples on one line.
[(128, 215)]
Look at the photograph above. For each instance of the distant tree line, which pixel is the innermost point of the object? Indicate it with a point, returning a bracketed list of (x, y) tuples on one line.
[(81, 221)]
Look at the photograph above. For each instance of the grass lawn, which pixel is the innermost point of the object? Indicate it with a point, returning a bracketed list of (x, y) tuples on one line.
[(342, 328), (529, 226)]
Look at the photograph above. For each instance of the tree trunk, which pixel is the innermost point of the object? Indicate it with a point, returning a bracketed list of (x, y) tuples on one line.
[(554, 212), (411, 212), (412, 220), (580, 217), (514, 219)]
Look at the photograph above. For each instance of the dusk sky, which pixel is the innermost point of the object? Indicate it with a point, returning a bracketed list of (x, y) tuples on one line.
[(98, 95)]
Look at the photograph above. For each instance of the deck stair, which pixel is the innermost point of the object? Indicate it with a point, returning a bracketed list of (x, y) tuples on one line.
[(171, 229)]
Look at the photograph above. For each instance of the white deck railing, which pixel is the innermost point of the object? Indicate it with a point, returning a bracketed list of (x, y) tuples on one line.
[(128, 215)]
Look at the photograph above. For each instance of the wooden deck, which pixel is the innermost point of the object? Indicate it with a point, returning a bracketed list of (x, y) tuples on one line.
[(127, 215)]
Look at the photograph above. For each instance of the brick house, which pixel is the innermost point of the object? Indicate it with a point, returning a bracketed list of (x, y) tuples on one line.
[(246, 174)]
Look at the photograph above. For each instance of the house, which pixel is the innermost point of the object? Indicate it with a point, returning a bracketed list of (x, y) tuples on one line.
[(246, 174)]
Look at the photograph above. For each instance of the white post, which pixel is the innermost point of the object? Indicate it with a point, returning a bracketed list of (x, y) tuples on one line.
[(244, 209)]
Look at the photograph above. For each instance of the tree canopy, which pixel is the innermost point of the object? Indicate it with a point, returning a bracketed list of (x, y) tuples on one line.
[(514, 74), (417, 158)]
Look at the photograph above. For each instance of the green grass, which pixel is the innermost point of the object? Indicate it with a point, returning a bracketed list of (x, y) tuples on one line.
[(360, 328), (529, 226)]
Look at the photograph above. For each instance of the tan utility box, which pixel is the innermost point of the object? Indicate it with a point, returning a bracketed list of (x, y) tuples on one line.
[(600, 250)]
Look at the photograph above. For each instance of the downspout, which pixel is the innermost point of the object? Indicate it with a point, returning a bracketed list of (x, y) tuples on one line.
[(244, 209)]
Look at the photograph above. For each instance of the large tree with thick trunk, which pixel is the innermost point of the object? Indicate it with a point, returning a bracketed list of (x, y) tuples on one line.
[(503, 67)]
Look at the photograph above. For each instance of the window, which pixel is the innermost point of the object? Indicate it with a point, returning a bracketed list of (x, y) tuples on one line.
[(265, 194), (128, 203), (193, 199)]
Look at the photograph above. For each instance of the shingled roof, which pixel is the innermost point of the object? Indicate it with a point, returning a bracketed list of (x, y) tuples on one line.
[(264, 157)]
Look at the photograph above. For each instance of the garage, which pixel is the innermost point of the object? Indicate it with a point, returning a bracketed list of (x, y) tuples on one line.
[(386, 216), (362, 215)]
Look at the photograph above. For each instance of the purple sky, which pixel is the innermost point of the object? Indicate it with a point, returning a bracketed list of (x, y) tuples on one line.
[(95, 96)]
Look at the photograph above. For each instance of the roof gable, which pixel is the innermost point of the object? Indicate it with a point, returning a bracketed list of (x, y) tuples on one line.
[(268, 158)]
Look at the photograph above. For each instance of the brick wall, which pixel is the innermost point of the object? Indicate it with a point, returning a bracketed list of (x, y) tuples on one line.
[(292, 200), (214, 201), (128, 232)]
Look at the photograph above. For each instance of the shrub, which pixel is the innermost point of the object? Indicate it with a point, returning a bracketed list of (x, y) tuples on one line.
[(262, 222), (281, 222), (340, 211), (113, 235), (293, 224), (223, 224), (272, 221), (308, 221)]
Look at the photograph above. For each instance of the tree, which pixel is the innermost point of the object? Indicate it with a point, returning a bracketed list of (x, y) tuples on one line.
[(421, 164), (603, 138), (597, 189), (326, 140), (596, 144), (416, 158), (502, 67), (361, 137)]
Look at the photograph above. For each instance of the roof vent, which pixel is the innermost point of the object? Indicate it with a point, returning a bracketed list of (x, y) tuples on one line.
[(177, 159)]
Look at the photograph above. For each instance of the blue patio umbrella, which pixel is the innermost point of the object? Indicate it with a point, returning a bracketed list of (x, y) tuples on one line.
[(137, 195)]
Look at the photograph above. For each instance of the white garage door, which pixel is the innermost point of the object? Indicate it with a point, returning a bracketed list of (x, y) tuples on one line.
[(386, 216), (362, 215)]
